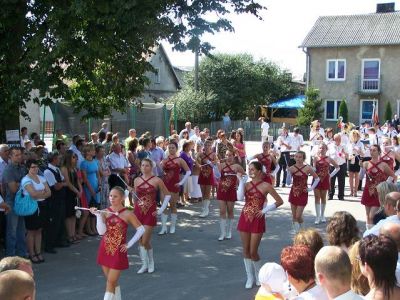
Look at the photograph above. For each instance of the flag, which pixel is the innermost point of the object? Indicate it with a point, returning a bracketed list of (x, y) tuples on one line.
[(375, 117)]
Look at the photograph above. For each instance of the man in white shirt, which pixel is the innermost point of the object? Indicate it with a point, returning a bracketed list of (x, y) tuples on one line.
[(339, 154), (264, 130), (119, 167), (188, 127), (296, 140), (333, 272), (76, 147), (392, 230), (284, 144), (24, 136), (391, 200), (196, 136)]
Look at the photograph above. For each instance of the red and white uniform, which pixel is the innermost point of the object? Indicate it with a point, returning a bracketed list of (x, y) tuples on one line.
[(206, 176), (227, 185), (374, 176), (266, 161), (171, 174), (147, 205), (322, 166), (109, 254), (254, 202), (298, 192)]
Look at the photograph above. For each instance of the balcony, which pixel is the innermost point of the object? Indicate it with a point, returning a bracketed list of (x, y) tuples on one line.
[(368, 86)]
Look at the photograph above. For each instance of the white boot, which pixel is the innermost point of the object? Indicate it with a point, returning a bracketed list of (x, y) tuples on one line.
[(206, 205), (229, 224), (144, 259), (151, 261), (317, 213), (323, 220), (174, 217), (164, 219), (118, 293), (222, 227), (296, 227), (249, 272), (257, 266), (109, 296)]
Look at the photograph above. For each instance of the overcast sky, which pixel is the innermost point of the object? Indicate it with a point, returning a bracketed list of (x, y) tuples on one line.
[(277, 37)]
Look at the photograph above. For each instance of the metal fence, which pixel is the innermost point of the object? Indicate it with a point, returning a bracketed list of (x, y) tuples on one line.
[(252, 129)]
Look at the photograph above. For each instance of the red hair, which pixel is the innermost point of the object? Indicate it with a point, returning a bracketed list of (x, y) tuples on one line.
[(298, 261)]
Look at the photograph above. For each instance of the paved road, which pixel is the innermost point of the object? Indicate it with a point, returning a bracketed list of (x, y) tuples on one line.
[(191, 264)]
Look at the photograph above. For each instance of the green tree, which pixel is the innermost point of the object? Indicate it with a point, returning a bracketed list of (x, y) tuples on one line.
[(343, 111), (238, 83), (312, 109), (93, 54), (388, 112)]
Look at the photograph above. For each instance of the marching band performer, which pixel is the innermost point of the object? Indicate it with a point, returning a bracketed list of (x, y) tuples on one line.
[(226, 193), (268, 160), (252, 219)]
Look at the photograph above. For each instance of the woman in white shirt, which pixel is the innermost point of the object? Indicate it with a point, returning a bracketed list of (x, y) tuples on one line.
[(39, 190)]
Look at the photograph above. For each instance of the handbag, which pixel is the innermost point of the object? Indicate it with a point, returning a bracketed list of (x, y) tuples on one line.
[(24, 204)]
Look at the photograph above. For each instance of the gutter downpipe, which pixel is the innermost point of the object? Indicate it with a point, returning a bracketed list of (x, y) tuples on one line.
[(308, 63)]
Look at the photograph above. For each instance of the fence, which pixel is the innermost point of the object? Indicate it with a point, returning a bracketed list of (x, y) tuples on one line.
[(252, 129)]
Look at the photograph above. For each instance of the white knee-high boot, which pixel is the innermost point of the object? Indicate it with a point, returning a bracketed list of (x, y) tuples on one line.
[(145, 260), (257, 266), (323, 220), (174, 217), (249, 272), (118, 293), (151, 260), (229, 224), (109, 296), (164, 219), (206, 209), (317, 213), (222, 227)]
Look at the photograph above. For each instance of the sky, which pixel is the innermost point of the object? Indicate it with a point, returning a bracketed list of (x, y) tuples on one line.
[(276, 38)]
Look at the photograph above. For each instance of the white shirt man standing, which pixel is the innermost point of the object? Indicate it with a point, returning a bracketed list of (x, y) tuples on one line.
[(188, 127), (333, 272), (296, 141), (264, 130)]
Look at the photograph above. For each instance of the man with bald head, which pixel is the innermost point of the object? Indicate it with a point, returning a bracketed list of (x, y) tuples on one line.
[(394, 199), (392, 230), (333, 272), (16, 285)]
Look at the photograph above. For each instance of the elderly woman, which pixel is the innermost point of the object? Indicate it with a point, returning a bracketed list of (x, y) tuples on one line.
[(298, 262), (378, 259)]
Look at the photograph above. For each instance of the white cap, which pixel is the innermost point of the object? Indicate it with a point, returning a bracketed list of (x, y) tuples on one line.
[(273, 275)]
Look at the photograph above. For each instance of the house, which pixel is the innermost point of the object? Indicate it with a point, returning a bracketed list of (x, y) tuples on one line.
[(164, 83), (356, 57)]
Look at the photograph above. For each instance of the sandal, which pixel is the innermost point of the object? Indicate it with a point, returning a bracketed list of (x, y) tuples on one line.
[(40, 257), (34, 259), (73, 240)]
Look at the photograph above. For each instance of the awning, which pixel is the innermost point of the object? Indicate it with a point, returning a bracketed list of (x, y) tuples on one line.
[(289, 103)]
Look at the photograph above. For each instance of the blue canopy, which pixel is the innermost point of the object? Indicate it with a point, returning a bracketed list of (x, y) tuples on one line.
[(290, 103)]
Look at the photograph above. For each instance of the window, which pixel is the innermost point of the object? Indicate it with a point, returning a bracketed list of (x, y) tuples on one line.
[(367, 109), (336, 69), (370, 74), (332, 110)]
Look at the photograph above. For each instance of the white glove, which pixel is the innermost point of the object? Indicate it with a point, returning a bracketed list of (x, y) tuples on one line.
[(276, 170), (333, 173), (100, 225), (164, 204), (138, 234), (397, 173), (362, 173), (268, 207), (187, 174), (314, 185), (390, 179), (289, 178), (241, 187), (217, 173)]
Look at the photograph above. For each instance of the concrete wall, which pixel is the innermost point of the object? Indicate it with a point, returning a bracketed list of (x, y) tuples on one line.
[(389, 70)]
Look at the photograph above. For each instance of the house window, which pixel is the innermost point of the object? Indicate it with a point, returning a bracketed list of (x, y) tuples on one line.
[(367, 109), (332, 110), (370, 74), (336, 69), (157, 77)]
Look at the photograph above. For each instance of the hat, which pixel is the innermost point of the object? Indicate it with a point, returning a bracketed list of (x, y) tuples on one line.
[(273, 275)]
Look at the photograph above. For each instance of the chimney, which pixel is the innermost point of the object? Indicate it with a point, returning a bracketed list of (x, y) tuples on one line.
[(385, 7)]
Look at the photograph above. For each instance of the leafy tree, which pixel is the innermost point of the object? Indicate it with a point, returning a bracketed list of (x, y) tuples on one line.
[(238, 83), (388, 112), (93, 53), (312, 109), (343, 111)]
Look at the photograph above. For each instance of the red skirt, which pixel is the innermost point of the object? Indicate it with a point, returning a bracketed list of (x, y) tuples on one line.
[(256, 225), (146, 218), (325, 184), (227, 189), (369, 200), (118, 261), (206, 176), (171, 185), (299, 200)]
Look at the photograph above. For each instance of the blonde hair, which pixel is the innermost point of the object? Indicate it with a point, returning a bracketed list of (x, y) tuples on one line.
[(383, 189), (87, 148), (354, 133), (359, 283), (309, 237)]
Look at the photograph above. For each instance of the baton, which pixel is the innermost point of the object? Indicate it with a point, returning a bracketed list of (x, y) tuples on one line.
[(101, 211)]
